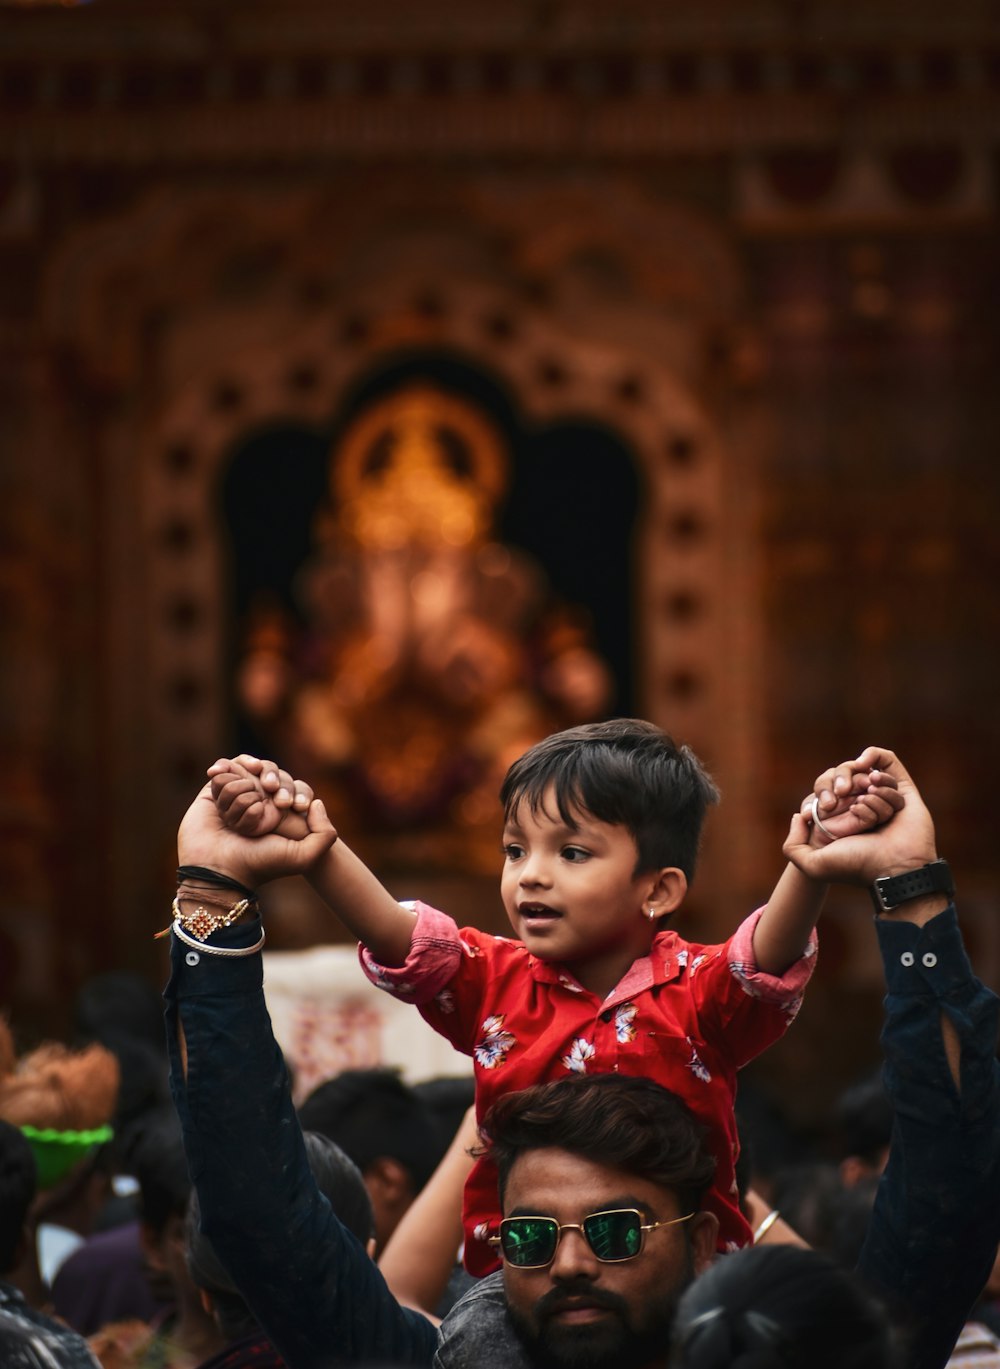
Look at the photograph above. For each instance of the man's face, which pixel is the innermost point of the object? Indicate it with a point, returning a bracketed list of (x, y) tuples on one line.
[(580, 1313)]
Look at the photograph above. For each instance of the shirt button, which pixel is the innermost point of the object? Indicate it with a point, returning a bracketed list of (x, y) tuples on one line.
[(929, 960), (906, 958), (192, 958)]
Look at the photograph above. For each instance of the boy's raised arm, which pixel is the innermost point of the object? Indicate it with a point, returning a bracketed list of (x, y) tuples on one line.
[(256, 797)]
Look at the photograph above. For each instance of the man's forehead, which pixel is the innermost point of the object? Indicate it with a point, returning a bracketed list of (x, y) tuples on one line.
[(560, 1183)]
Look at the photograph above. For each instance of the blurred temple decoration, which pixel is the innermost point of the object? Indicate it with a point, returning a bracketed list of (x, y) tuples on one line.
[(432, 654)]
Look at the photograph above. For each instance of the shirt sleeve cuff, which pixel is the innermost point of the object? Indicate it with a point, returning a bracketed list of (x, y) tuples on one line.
[(197, 973), (785, 989), (434, 956), (924, 959)]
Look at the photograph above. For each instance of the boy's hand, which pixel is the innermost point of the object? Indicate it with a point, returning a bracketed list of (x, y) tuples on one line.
[(204, 839), (255, 797), (904, 843), (865, 799)]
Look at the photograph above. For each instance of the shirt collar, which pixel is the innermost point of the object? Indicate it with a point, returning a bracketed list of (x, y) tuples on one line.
[(662, 965)]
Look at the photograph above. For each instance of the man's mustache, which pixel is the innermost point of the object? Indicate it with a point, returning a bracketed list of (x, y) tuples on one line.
[(567, 1295)]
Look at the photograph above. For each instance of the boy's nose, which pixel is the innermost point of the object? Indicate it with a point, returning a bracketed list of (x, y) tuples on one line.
[(535, 872)]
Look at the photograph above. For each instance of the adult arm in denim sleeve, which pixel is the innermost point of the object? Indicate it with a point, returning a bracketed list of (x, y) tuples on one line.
[(936, 1221), (310, 1284)]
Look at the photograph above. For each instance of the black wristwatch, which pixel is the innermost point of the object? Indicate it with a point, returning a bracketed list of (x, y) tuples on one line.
[(891, 891)]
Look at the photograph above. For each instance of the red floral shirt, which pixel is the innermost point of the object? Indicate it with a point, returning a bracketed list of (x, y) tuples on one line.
[(686, 1016)]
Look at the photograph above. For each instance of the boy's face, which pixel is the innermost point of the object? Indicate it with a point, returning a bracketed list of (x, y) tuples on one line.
[(572, 894)]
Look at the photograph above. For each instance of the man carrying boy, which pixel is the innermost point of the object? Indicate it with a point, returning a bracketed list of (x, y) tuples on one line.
[(934, 1228), (602, 826)]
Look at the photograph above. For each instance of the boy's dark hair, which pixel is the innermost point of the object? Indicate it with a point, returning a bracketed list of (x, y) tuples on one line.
[(18, 1180), (617, 1120), (779, 1307), (627, 772), (372, 1113)]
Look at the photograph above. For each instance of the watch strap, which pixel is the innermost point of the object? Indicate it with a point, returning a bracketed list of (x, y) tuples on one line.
[(890, 891)]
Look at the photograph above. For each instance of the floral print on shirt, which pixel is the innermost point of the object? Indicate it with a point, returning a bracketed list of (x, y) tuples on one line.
[(382, 980), (492, 1049), (697, 1066), (625, 1023), (581, 1052)]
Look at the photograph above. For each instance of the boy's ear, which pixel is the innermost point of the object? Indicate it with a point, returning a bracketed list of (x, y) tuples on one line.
[(667, 891)]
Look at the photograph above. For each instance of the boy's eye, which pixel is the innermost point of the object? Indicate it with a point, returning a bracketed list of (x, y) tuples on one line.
[(512, 851), (575, 853)]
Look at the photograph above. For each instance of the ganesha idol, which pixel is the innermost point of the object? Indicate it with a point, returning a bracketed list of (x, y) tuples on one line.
[(432, 654)]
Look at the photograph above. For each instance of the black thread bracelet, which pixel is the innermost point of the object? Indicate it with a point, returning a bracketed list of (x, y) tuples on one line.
[(206, 876)]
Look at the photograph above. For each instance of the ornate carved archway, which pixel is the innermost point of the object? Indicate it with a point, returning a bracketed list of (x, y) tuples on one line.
[(216, 315)]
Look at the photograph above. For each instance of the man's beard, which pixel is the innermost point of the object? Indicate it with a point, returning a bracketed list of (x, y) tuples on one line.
[(612, 1343)]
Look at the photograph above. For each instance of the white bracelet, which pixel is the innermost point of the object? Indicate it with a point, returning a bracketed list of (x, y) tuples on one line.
[(814, 806), (182, 935), (766, 1224)]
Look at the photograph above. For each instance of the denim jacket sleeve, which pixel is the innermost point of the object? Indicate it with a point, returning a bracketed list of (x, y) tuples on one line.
[(936, 1221), (308, 1281)]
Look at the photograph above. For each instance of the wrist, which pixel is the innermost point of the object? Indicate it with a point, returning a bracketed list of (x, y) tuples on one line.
[(209, 898), (905, 865), (918, 911), (928, 884), (212, 908), (209, 873)]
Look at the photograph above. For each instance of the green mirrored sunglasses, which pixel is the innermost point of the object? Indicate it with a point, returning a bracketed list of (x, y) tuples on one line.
[(531, 1242)]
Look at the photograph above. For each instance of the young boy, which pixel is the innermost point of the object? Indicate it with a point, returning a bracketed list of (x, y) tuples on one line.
[(602, 825)]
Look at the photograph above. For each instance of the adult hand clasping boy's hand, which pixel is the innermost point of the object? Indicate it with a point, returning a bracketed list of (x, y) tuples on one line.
[(904, 842), (204, 839)]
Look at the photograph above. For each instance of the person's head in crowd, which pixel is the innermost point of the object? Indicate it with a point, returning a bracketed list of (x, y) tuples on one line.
[(124, 1012), (779, 1307), (118, 1003), (770, 1141), (55, 1088), (386, 1129), (864, 1119), (601, 1181), (449, 1099), (35, 1338), (338, 1179), (17, 1189), (156, 1158), (63, 1101), (809, 1196), (849, 1228)]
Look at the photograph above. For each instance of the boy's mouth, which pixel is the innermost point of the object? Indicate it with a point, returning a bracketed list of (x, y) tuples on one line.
[(537, 912)]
